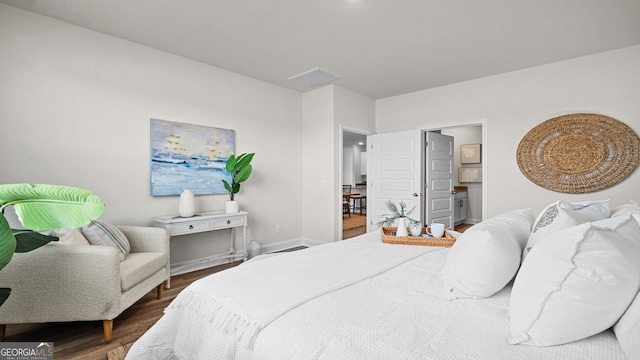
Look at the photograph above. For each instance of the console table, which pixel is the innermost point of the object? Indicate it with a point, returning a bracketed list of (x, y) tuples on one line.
[(210, 221)]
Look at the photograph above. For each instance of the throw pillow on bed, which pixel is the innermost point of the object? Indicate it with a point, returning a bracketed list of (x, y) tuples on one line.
[(100, 232), (561, 215), (576, 283), (487, 256), (627, 330), (632, 208)]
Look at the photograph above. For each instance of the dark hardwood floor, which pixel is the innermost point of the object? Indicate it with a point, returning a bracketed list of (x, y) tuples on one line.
[(84, 340)]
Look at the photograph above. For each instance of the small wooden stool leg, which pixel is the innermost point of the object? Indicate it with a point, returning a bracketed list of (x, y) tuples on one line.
[(107, 327)]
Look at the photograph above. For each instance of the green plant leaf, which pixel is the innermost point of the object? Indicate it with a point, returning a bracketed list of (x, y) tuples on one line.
[(7, 242), (27, 240), (4, 295), (226, 185), (231, 164), (243, 161), (45, 207), (243, 174), (397, 211)]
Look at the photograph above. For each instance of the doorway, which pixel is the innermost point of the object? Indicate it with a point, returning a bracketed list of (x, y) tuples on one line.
[(470, 197), (353, 182), (396, 165)]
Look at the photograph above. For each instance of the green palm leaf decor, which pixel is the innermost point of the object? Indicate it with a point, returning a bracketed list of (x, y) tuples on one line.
[(7, 242), (41, 207)]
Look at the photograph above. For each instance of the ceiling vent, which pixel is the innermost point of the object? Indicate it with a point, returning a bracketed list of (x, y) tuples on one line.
[(314, 77)]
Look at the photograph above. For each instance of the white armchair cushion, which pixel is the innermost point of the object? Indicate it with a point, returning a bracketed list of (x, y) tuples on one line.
[(576, 283), (101, 232), (139, 266)]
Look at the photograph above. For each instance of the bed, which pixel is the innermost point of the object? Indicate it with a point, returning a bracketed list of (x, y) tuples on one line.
[(354, 299)]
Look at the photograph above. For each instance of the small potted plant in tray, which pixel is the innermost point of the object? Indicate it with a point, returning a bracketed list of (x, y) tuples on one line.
[(399, 217)]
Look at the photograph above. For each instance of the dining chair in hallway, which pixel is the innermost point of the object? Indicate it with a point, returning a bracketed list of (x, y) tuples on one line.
[(346, 200)]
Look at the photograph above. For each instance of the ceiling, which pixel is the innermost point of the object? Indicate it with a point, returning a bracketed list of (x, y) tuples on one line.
[(381, 48)]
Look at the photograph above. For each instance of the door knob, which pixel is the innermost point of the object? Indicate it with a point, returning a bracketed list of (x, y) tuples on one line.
[(415, 194)]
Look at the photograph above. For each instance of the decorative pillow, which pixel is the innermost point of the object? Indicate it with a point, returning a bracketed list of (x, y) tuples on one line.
[(103, 233), (628, 330), (69, 236), (632, 209), (576, 283), (487, 256), (560, 215)]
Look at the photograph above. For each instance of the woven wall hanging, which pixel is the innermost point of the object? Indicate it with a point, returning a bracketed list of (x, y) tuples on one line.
[(578, 153)]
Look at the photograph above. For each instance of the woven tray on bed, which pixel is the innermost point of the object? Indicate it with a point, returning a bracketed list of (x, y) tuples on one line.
[(446, 241)]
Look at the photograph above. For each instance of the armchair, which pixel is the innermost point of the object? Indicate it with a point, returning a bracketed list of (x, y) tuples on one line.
[(64, 282)]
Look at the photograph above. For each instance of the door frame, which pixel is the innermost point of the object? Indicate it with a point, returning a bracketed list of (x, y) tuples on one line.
[(485, 145), (354, 130)]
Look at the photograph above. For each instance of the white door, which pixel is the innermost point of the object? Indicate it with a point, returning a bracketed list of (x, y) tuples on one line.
[(439, 179), (394, 173)]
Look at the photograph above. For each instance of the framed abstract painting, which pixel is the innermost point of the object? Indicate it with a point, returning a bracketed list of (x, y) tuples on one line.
[(189, 157)]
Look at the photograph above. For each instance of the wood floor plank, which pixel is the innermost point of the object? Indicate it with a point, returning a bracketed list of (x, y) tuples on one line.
[(83, 340)]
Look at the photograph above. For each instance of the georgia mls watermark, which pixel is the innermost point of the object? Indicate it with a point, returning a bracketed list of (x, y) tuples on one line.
[(26, 351)]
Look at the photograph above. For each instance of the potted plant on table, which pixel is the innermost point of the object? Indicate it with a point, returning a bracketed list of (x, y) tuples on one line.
[(41, 207), (399, 217), (240, 169)]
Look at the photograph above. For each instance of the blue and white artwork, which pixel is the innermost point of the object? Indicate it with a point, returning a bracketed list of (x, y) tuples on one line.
[(187, 156)]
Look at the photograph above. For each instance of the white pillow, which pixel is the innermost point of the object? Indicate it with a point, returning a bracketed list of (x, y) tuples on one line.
[(628, 330), (560, 215), (487, 256), (69, 237), (100, 232), (632, 209), (576, 283)]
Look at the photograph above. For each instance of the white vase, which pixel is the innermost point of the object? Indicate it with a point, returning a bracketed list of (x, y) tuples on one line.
[(402, 227), (231, 206), (187, 205)]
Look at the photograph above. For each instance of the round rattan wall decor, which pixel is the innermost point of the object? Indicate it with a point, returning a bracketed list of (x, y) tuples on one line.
[(578, 153)]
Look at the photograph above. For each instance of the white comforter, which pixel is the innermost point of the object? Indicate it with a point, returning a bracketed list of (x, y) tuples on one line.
[(394, 309)]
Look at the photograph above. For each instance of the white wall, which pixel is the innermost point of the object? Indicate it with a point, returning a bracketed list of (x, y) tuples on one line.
[(324, 110), (317, 163), (75, 109), (513, 103)]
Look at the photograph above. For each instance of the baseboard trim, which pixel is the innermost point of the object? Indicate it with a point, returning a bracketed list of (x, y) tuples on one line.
[(289, 244), (203, 263)]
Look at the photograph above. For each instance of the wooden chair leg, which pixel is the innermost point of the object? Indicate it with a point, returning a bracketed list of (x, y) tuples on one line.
[(107, 327), (159, 289), (3, 328)]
